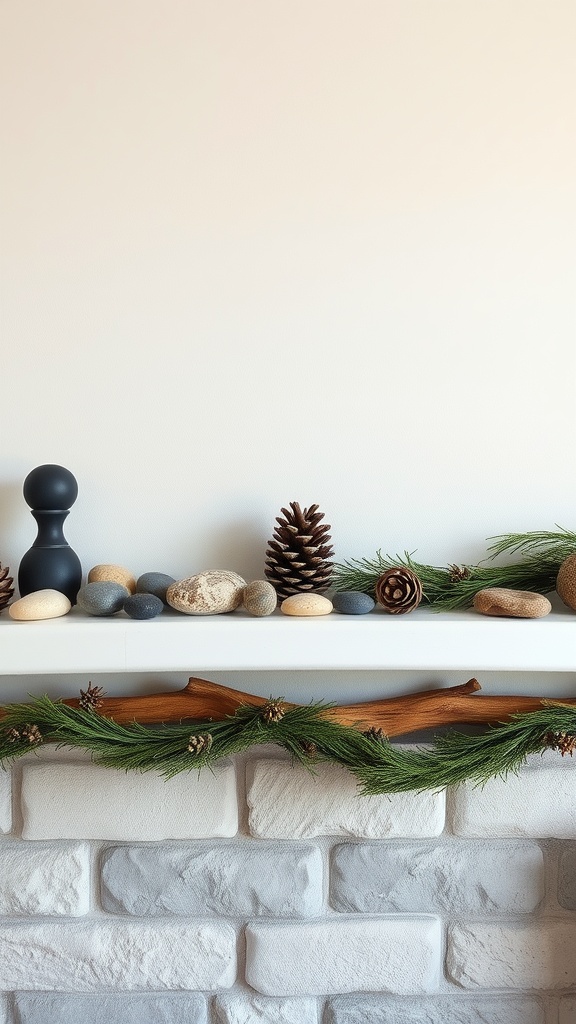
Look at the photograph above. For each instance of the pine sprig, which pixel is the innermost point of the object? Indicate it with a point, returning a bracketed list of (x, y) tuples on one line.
[(378, 765), (451, 587)]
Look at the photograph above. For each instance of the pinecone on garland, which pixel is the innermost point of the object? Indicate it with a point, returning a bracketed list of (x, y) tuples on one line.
[(398, 590), (298, 556), (6, 588)]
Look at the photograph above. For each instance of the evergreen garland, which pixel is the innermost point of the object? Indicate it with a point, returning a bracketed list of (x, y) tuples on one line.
[(454, 586), (378, 765)]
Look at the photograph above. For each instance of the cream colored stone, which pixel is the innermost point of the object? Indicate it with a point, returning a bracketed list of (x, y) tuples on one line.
[(259, 598), (208, 593), (566, 582), (41, 604), (518, 604), (113, 574), (306, 604)]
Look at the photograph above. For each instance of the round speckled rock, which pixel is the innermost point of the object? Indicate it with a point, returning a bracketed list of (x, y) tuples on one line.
[(516, 604), (112, 574), (156, 583), (208, 593), (353, 602), (143, 606), (306, 604), (40, 604), (102, 597), (260, 598)]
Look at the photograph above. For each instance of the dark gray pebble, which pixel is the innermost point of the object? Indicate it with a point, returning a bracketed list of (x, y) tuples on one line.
[(156, 583), (143, 606), (102, 597), (352, 602)]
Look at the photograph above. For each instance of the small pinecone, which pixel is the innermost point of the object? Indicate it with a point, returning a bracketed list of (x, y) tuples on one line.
[(32, 734), (564, 742), (91, 699), (309, 748), (199, 744), (398, 590), (273, 712), (377, 735), (458, 573), (297, 557), (6, 588)]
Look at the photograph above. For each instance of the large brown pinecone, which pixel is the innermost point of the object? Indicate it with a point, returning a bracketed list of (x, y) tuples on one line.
[(6, 588), (297, 558), (398, 590)]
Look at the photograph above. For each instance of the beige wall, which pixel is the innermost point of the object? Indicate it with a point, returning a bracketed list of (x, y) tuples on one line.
[(256, 252)]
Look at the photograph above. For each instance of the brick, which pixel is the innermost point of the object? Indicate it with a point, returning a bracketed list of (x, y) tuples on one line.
[(440, 1010), (252, 1009), (245, 879), (288, 802), (392, 954), (44, 879), (457, 877), (102, 955), (5, 801), (567, 1010), (124, 1008), (85, 801), (520, 805), (512, 955), (567, 878)]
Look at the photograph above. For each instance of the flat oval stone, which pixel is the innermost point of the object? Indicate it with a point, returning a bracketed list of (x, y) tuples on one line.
[(306, 604), (112, 574), (517, 604), (352, 602), (259, 598), (208, 593), (40, 604), (143, 606), (156, 583), (102, 597)]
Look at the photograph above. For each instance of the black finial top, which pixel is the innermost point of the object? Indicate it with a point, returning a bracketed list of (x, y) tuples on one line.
[(50, 487)]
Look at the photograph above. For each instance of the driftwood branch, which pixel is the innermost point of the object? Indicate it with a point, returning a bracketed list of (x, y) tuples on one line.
[(201, 699)]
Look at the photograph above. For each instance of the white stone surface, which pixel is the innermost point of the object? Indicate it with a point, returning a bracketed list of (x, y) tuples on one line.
[(393, 954), (5, 800), (100, 956), (511, 955), (44, 879), (539, 802), (77, 800), (286, 801), (252, 1009)]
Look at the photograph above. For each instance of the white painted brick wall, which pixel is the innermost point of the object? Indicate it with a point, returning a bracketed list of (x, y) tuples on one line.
[(44, 880), (513, 955)]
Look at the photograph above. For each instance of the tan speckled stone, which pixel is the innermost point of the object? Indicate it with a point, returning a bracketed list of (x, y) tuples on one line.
[(306, 604), (41, 604), (566, 582), (208, 593), (516, 604), (259, 598), (113, 574)]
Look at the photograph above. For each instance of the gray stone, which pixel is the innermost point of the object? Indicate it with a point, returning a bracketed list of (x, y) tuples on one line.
[(477, 878), (249, 879), (156, 583), (352, 602), (143, 606), (567, 877), (121, 1008), (259, 598), (441, 1010), (103, 597)]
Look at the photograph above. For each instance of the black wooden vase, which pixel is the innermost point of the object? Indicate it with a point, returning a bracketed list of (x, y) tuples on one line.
[(50, 563)]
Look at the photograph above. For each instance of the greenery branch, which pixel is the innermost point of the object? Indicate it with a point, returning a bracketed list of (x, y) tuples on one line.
[(454, 586), (310, 737)]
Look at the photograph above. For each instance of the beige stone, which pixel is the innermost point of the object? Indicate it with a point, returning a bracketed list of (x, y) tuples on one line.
[(566, 581), (113, 574), (208, 593), (260, 598), (517, 604), (41, 604), (306, 604)]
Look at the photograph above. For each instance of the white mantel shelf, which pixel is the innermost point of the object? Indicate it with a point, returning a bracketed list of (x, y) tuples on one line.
[(197, 644)]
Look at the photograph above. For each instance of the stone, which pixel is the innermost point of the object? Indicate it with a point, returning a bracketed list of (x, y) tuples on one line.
[(156, 583), (104, 1008), (449, 1009), (509, 955), (211, 592), (517, 604), (102, 597), (306, 604), (260, 598), (113, 574), (353, 602), (40, 604), (566, 582), (249, 1008), (143, 606)]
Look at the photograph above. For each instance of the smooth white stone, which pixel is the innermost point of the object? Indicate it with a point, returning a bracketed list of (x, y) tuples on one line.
[(41, 604), (306, 604), (211, 592)]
